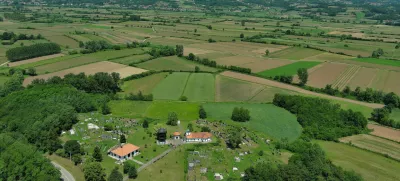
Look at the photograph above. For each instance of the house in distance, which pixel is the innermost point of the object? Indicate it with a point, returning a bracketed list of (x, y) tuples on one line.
[(123, 152), (197, 136)]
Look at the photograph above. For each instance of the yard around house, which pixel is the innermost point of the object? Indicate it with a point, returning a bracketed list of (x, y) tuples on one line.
[(265, 118)]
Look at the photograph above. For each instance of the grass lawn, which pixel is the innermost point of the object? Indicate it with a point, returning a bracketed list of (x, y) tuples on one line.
[(369, 165), (290, 69), (68, 165), (169, 168), (129, 109), (146, 84), (265, 118), (395, 115), (173, 63), (379, 61), (172, 87), (200, 87), (366, 111), (185, 110), (3, 79)]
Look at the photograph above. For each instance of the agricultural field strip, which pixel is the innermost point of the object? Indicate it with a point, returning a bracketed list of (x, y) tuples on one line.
[(374, 144), (385, 132), (346, 77), (37, 59), (254, 79)]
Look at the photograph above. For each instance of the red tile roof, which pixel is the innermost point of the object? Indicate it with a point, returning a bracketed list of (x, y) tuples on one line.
[(125, 149), (199, 135)]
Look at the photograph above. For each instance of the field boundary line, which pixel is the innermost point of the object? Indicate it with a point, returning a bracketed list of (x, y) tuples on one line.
[(257, 93), (187, 80), (370, 82), (342, 76)]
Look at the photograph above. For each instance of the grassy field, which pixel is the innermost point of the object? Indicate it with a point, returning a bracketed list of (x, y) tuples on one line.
[(229, 89), (369, 165), (395, 115), (295, 53), (395, 63), (186, 111), (132, 59), (173, 63), (366, 111), (265, 118), (375, 144), (146, 84), (200, 87), (290, 69), (129, 109), (172, 87)]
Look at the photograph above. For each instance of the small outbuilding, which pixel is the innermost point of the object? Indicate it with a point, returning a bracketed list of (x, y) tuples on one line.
[(218, 176), (162, 135), (177, 135)]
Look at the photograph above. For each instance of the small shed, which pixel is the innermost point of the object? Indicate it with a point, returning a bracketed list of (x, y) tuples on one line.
[(177, 135), (218, 176)]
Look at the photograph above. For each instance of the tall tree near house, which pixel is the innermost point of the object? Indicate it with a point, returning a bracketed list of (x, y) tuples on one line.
[(179, 50), (172, 119), (97, 154), (145, 123), (94, 172), (202, 113), (115, 175), (72, 147), (122, 139), (303, 76)]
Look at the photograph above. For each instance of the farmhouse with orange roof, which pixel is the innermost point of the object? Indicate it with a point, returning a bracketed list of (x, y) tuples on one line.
[(123, 152), (197, 137)]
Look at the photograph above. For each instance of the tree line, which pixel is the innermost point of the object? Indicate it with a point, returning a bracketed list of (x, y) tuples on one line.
[(212, 63), (320, 118), (15, 37), (32, 51)]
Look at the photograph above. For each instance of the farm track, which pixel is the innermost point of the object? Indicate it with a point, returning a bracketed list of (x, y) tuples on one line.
[(346, 76), (259, 80)]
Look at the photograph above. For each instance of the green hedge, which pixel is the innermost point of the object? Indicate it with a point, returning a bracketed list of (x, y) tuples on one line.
[(36, 50)]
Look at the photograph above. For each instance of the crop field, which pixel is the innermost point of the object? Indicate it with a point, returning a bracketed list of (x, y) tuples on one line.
[(290, 69), (89, 69), (18, 63), (295, 53), (200, 87), (229, 89), (374, 144), (326, 74), (385, 132), (328, 57), (378, 61), (132, 59), (370, 166), (172, 87), (265, 118), (173, 63), (63, 41), (146, 84)]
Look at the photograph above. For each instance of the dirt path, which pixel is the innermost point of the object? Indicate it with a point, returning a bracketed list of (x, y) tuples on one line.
[(65, 175), (258, 80)]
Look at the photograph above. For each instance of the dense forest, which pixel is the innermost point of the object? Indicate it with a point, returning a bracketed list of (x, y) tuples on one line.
[(320, 118)]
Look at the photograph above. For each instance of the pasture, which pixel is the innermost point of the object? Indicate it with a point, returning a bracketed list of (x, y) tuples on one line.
[(200, 87), (172, 87), (265, 118), (370, 166), (146, 84)]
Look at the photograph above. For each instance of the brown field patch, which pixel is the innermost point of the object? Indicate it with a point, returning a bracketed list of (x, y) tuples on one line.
[(328, 57), (385, 132), (375, 144), (363, 78), (90, 69), (237, 47), (266, 64), (236, 60), (392, 82), (326, 74), (267, 82), (195, 51), (13, 64)]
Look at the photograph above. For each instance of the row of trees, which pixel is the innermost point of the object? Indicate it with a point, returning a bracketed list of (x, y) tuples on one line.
[(100, 82), (32, 51), (160, 51), (14, 37), (320, 118), (94, 46), (382, 116), (139, 97), (212, 63), (308, 163)]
